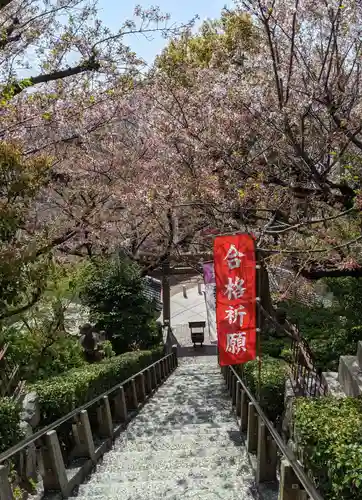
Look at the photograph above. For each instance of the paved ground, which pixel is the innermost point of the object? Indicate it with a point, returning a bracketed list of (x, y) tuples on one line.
[(190, 309)]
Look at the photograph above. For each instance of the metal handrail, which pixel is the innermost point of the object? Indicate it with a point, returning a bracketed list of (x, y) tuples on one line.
[(288, 454), (37, 435)]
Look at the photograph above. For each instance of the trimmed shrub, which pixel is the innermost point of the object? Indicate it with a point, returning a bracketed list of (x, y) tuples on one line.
[(272, 386), (10, 432), (60, 395), (329, 433)]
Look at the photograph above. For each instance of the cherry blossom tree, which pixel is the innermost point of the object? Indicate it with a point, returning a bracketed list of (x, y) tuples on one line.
[(281, 134), (59, 68)]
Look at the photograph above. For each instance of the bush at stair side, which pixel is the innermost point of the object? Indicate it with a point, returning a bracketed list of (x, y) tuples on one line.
[(327, 432), (10, 432), (272, 387), (62, 394)]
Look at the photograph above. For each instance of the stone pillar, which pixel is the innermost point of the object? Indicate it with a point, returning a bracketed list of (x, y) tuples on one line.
[(55, 477), (5, 488), (120, 406), (158, 372), (154, 376), (289, 486), (266, 455), (244, 411), (141, 385), (134, 400), (104, 418), (252, 431), (174, 352), (84, 438), (238, 399), (168, 365), (233, 389), (149, 380)]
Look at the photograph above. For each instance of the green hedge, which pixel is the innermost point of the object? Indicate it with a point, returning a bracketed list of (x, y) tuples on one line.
[(329, 431), (62, 394), (273, 375), (10, 432)]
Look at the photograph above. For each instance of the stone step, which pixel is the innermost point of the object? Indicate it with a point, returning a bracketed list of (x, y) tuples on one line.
[(177, 422), (171, 459), (350, 376), (233, 486), (202, 369), (199, 413), (179, 440), (194, 429), (180, 474), (191, 494)]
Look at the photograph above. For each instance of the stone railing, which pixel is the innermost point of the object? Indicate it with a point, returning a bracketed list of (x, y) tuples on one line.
[(59, 457), (272, 460)]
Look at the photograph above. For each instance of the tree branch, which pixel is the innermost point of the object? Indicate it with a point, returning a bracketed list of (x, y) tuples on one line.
[(36, 296), (16, 88)]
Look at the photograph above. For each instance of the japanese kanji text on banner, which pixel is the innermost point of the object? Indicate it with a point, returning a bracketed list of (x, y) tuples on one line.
[(235, 276)]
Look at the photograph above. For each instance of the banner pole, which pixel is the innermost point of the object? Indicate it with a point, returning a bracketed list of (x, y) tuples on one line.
[(258, 318)]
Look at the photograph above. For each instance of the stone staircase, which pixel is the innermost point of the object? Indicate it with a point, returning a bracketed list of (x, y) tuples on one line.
[(185, 443)]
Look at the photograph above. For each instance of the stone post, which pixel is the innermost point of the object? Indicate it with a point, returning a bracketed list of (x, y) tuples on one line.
[(120, 406), (84, 438), (174, 351), (149, 380), (266, 455), (233, 390), (5, 488), (159, 372), (55, 477), (238, 399), (104, 418), (252, 431), (154, 376), (244, 411), (141, 385), (289, 486), (168, 365), (134, 400)]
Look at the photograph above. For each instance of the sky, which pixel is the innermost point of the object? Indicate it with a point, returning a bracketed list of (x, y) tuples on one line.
[(114, 12)]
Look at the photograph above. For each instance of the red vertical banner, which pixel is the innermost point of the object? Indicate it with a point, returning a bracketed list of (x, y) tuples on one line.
[(235, 277)]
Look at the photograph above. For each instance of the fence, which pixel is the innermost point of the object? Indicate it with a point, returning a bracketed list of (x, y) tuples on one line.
[(273, 457), (64, 453), (306, 378)]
